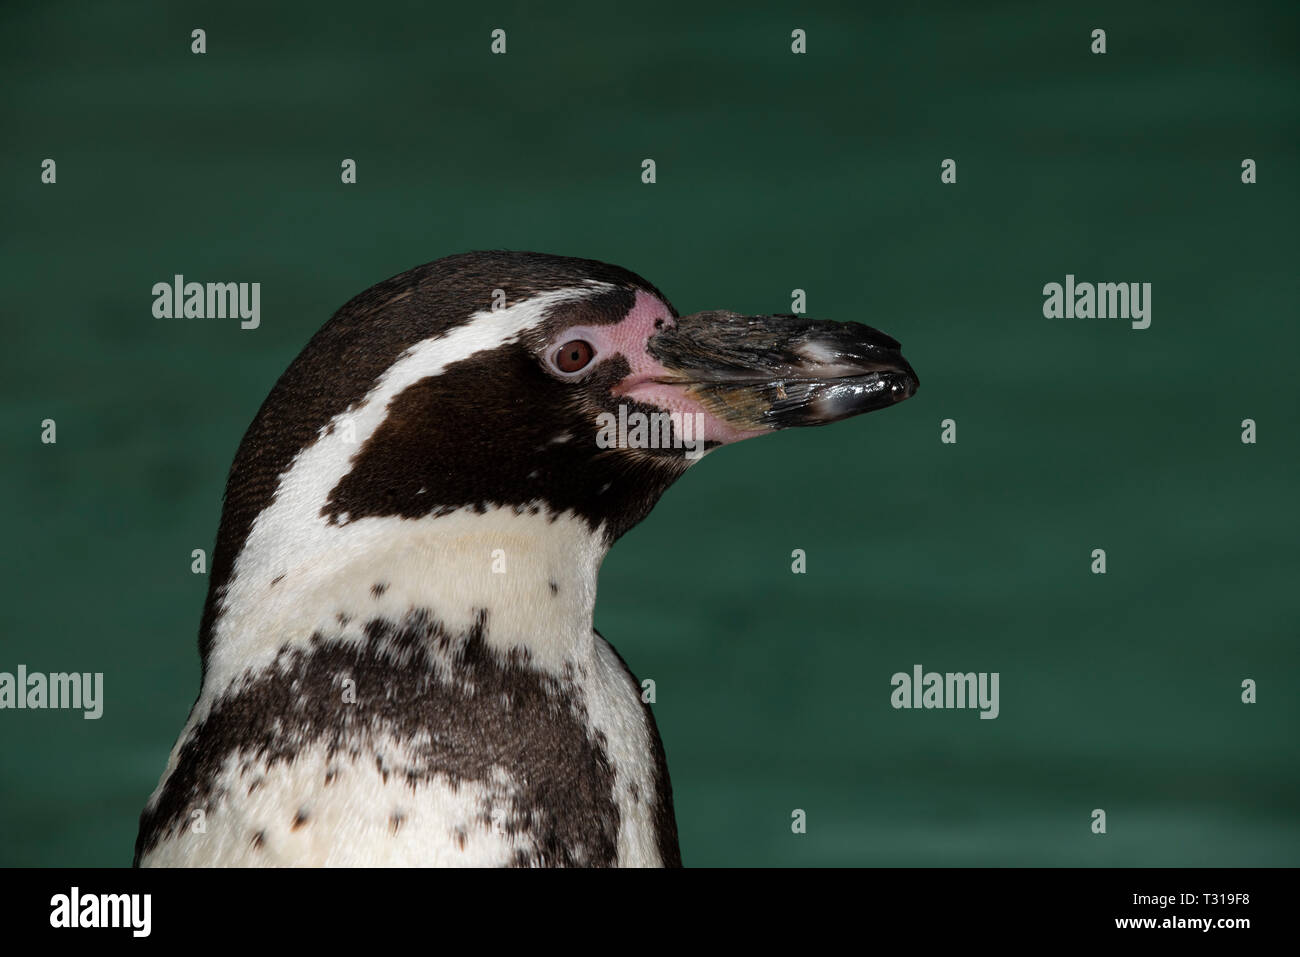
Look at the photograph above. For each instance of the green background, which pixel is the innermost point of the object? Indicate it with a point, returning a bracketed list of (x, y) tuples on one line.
[(775, 171)]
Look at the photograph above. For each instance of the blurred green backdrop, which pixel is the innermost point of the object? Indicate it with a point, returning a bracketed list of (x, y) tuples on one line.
[(775, 171)]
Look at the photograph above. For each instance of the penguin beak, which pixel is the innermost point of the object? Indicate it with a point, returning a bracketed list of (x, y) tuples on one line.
[(760, 373)]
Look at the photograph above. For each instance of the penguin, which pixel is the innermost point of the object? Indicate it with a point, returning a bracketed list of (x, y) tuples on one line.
[(399, 666)]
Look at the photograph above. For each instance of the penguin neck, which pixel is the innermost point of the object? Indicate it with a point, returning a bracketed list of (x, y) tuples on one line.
[(525, 575)]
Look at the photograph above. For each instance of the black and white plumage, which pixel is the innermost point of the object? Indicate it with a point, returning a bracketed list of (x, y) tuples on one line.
[(399, 664)]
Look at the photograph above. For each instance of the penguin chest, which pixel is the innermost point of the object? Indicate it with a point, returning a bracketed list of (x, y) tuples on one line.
[(369, 754)]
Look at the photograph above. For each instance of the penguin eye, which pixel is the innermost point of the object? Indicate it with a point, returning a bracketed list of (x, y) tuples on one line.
[(574, 355)]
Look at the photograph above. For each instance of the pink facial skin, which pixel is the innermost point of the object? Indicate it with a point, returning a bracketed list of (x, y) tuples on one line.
[(629, 337)]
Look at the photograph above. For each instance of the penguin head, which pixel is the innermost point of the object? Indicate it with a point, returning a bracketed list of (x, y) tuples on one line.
[(580, 388)]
